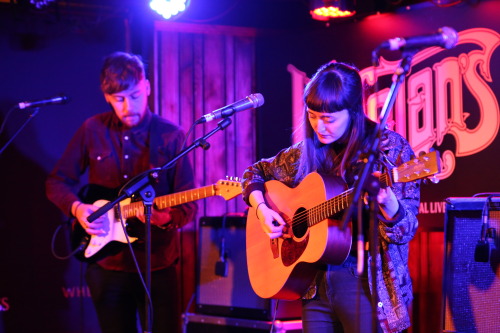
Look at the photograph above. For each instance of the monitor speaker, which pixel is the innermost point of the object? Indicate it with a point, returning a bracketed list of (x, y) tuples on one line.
[(223, 287), (471, 279)]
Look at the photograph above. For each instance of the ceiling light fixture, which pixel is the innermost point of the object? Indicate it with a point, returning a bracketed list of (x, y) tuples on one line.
[(324, 10), (169, 8)]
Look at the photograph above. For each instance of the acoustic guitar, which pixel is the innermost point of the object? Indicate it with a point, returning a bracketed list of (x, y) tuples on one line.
[(283, 268)]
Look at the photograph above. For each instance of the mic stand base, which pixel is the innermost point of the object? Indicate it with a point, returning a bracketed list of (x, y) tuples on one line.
[(148, 194)]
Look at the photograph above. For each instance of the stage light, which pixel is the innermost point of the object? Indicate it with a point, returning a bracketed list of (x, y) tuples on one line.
[(39, 4), (169, 8), (446, 3), (324, 10)]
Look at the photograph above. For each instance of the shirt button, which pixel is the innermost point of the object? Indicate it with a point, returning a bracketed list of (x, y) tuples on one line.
[(126, 157), (126, 137), (380, 304), (99, 158), (125, 176)]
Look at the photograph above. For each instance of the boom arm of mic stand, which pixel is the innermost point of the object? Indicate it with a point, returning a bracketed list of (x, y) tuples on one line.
[(133, 186), (201, 142), (142, 180), (359, 184), (31, 116)]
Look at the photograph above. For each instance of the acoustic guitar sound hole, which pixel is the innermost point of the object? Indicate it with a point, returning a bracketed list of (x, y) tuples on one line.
[(299, 225)]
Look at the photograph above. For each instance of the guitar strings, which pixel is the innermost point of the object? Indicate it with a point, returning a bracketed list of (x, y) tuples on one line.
[(331, 206)]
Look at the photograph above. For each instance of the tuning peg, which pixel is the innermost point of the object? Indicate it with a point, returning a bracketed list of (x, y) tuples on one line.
[(434, 179)]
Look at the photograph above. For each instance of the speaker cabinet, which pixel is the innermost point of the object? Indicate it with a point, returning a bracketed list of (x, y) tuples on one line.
[(471, 289), (196, 323), (223, 287)]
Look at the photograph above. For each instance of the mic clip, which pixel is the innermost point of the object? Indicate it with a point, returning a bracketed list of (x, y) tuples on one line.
[(222, 266), (485, 246)]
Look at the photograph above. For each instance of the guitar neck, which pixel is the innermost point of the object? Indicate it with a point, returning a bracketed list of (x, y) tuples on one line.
[(170, 200), (337, 203)]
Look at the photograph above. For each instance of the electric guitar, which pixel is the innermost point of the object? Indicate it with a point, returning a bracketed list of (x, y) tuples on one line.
[(89, 248), (284, 268)]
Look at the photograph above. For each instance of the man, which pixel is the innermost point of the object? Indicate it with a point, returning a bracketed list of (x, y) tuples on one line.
[(114, 147)]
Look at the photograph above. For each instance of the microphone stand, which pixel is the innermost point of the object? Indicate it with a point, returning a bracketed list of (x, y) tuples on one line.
[(31, 116), (364, 184), (142, 184)]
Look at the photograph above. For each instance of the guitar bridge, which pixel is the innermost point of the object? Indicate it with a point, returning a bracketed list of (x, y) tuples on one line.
[(274, 247)]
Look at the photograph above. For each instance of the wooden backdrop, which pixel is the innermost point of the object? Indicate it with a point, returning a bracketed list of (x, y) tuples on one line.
[(199, 69)]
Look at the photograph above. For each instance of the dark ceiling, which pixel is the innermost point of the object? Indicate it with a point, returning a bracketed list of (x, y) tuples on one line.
[(276, 14)]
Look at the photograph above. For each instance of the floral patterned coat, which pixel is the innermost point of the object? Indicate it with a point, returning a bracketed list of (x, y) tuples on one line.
[(394, 286)]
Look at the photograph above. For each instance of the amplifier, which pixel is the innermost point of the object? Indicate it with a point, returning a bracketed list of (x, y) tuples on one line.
[(471, 287), (223, 287)]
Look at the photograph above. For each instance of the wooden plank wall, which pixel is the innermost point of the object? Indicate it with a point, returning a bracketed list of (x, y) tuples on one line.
[(199, 69)]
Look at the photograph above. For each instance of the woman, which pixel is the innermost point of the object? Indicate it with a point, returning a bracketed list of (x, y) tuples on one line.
[(336, 129)]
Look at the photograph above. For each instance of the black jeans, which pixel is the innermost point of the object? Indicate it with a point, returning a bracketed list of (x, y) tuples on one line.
[(119, 296), (342, 302)]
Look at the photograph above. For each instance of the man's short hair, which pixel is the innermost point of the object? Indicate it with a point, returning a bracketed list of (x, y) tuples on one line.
[(121, 71)]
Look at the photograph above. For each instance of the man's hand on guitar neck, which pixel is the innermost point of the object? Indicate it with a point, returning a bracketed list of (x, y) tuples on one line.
[(81, 212)]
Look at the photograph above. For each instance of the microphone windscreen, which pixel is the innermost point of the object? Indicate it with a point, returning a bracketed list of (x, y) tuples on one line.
[(257, 100), (450, 37)]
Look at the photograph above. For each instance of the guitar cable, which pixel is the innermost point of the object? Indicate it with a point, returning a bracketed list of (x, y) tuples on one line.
[(84, 243), (80, 247), (81, 284)]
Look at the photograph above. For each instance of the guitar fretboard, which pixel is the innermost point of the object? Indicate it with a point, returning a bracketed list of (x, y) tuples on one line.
[(169, 200), (334, 205)]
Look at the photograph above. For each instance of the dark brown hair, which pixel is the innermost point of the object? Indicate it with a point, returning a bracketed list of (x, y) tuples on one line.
[(121, 71), (333, 88)]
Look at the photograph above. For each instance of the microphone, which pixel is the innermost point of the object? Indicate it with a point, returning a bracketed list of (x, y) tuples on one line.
[(249, 102), (446, 37), (486, 243), (61, 99), (222, 266)]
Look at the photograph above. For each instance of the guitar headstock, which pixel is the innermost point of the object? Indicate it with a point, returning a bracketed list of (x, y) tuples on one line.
[(228, 188), (423, 166)]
